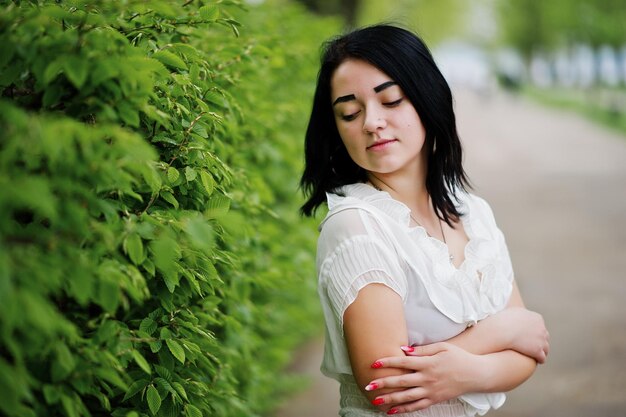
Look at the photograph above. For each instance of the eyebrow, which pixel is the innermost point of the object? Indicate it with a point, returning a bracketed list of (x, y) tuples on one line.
[(377, 90)]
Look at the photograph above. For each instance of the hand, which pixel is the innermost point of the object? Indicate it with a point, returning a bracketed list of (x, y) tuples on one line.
[(528, 333), (441, 371)]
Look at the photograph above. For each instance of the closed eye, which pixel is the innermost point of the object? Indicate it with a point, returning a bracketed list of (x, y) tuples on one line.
[(350, 117), (394, 103)]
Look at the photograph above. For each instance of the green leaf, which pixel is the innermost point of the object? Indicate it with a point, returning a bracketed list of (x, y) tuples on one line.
[(162, 382), (163, 372), (165, 333), (133, 246), (148, 325), (171, 279), (154, 399), (52, 95), (170, 59), (128, 113), (190, 174), (6, 51), (82, 281), (209, 12), (52, 394), (180, 390), (176, 349), (172, 175), (135, 387), (152, 177), (192, 411), (112, 377), (169, 197), (166, 253), (105, 70), (200, 232), (142, 362), (108, 294), (215, 98), (207, 182), (69, 404), (149, 267), (76, 69), (53, 70), (65, 360), (9, 75), (155, 346), (217, 206)]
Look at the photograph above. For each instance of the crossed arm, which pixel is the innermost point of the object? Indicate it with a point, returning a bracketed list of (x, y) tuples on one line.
[(497, 354)]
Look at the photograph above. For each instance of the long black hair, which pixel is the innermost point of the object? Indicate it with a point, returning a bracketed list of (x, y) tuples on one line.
[(405, 58)]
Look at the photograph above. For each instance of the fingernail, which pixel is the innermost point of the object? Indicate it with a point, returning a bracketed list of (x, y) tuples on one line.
[(393, 411), (377, 364), (407, 348), (371, 387), (378, 401)]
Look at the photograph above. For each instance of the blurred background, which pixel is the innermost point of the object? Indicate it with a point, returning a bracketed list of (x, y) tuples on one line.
[(571, 53), (143, 142), (540, 95)]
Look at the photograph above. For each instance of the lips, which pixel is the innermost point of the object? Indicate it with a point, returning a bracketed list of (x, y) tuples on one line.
[(379, 144)]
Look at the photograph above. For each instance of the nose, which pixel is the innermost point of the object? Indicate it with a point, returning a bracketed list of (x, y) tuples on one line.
[(374, 121)]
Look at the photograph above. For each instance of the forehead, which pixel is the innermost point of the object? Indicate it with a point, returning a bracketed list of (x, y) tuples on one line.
[(356, 76)]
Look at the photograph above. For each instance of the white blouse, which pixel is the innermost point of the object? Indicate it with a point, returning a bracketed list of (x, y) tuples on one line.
[(366, 238)]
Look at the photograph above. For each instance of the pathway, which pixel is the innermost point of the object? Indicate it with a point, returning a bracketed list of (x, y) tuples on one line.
[(557, 185)]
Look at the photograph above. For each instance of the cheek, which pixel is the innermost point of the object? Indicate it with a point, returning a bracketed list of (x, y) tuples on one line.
[(348, 135)]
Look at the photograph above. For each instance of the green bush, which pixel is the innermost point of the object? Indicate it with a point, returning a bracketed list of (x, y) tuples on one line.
[(152, 261)]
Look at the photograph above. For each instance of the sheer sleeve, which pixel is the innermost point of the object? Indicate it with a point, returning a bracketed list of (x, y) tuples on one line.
[(355, 259)]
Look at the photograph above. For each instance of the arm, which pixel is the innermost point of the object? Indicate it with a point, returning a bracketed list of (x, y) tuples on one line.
[(374, 327), (477, 360), (513, 328)]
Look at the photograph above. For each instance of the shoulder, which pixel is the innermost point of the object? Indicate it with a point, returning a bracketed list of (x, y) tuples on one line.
[(349, 211), (347, 220), (341, 227), (476, 207)]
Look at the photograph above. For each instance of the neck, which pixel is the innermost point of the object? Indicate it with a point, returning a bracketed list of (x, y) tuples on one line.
[(409, 189)]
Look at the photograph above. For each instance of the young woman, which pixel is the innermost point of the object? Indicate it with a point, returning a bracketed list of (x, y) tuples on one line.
[(422, 312)]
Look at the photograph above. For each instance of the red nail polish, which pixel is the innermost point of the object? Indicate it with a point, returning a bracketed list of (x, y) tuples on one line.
[(393, 411), (371, 387), (407, 348), (378, 401), (377, 364)]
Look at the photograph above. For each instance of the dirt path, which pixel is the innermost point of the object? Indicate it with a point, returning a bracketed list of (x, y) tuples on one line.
[(557, 185)]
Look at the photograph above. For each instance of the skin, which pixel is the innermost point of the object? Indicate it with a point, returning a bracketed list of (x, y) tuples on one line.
[(383, 134), (497, 354)]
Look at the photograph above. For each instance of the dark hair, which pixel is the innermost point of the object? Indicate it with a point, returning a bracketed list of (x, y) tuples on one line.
[(405, 58)]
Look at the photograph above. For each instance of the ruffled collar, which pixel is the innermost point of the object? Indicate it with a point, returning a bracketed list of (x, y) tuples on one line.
[(480, 285), (382, 200)]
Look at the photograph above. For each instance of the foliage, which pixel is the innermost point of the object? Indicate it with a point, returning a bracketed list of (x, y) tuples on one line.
[(530, 25), (435, 21), (151, 258), (347, 9)]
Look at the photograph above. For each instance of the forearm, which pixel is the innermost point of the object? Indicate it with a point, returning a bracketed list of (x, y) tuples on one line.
[(503, 371), (487, 336), (514, 328)]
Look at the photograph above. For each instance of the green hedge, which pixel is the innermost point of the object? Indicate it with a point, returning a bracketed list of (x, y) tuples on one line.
[(152, 261)]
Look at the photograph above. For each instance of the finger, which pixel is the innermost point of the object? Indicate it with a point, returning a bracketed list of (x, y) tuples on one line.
[(400, 398), (396, 381), (402, 362), (409, 407), (424, 350), (541, 358)]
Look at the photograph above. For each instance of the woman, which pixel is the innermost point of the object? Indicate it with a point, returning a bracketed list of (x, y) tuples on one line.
[(407, 258)]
